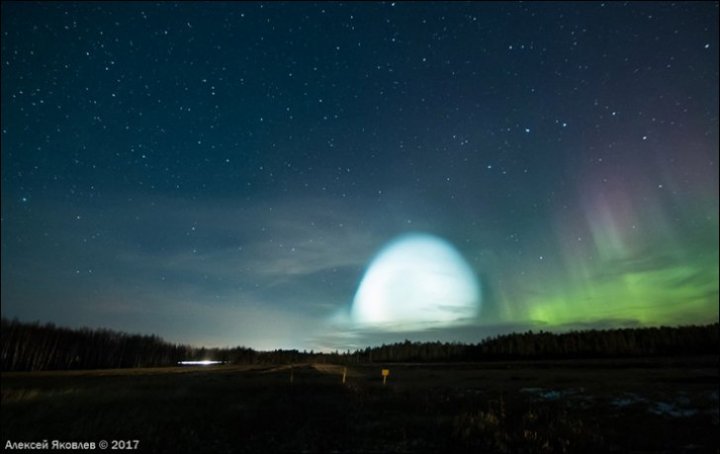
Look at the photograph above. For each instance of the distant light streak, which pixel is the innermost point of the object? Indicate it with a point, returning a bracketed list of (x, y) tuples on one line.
[(199, 363)]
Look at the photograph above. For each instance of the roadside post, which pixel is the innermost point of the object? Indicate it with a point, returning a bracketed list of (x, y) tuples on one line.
[(344, 374)]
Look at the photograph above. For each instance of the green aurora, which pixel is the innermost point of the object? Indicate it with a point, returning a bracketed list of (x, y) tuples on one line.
[(646, 260)]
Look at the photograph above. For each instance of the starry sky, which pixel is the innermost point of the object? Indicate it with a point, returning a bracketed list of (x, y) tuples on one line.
[(224, 174)]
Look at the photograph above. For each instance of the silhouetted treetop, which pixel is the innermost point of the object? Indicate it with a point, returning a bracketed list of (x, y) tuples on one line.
[(32, 346)]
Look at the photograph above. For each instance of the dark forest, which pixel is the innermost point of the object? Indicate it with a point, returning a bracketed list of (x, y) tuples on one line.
[(35, 346)]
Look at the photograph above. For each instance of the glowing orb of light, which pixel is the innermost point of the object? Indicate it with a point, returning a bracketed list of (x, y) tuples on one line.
[(418, 280)]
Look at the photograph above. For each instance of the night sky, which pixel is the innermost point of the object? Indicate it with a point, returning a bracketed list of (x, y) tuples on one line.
[(224, 174)]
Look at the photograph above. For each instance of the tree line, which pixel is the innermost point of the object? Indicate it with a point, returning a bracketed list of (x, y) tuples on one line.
[(33, 346), (610, 343)]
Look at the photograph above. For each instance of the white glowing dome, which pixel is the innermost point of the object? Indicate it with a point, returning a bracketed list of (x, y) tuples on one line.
[(416, 281)]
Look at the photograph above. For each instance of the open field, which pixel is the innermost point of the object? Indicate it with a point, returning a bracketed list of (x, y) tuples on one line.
[(654, 405)]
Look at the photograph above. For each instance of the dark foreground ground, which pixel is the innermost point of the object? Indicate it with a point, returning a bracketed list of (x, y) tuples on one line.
[(653, 405)]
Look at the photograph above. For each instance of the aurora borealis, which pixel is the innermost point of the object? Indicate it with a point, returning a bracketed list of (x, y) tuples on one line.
[(225, 173), (635, 249)]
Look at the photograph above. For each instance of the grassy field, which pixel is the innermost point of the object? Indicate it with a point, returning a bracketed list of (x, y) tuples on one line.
[(668, 405)]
